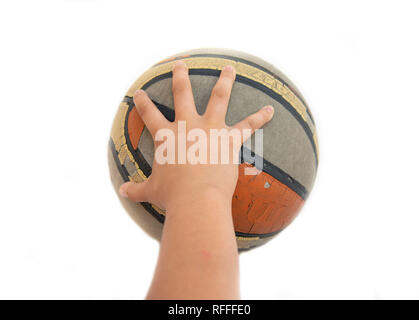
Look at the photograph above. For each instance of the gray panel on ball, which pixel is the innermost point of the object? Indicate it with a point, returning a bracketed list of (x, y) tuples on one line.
[(245, 56)]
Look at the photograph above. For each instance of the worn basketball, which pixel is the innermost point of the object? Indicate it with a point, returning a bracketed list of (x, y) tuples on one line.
[(263, 204)]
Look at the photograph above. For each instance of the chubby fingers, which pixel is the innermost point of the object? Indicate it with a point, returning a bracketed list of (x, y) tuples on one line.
[(220, 96), (148, 111), (136, 192), (255, 121), (182, 91)]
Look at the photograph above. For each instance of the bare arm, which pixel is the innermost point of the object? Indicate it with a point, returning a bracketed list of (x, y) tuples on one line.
[(198, 254)]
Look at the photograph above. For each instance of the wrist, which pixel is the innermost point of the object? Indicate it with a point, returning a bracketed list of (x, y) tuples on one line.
[(199, 196)]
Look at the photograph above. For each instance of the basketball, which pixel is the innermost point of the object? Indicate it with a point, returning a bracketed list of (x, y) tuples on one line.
[(263, 204)]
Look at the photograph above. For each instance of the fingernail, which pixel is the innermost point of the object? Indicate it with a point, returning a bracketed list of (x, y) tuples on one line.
[(181, 64), (270, 109), (138, 92), (230, 69), (123, 193)]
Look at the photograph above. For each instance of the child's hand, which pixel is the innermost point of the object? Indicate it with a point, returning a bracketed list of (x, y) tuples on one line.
[(168, 181)]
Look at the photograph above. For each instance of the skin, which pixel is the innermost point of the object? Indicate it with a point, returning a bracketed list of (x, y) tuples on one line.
[(198, 256)]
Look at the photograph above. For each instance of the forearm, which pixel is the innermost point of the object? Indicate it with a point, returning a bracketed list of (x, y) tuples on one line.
[(198, 254)]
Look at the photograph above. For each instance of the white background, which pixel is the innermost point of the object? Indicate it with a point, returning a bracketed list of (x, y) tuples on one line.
[(65, 66)]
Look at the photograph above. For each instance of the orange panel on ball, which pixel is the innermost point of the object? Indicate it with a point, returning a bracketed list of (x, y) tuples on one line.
[(262, 204), (135, 127)]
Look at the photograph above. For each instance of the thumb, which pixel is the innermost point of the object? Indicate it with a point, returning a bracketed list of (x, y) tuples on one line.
[(136, 192)]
